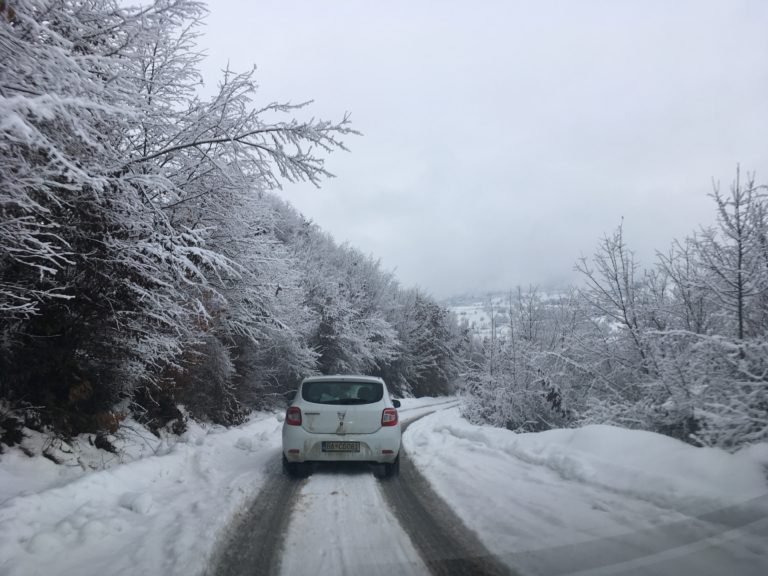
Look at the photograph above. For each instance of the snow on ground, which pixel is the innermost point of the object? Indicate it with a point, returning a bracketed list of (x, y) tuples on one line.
[(66, 461), (157, 508), (341, 525), (599, 500), (599, 497), (160, 514)]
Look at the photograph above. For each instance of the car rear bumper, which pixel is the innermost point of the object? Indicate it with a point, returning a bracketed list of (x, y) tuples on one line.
[(382, 446)]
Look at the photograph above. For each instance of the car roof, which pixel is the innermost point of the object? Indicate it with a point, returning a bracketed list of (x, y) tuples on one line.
[(344, 378)]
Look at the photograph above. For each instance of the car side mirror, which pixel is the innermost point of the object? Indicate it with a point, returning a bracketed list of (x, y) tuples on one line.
[(396, 403), (289, 396)]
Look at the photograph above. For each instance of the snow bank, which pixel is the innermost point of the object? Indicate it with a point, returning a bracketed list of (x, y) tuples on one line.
[(160, 514), (532, 492), (641, 464), (21, 474)]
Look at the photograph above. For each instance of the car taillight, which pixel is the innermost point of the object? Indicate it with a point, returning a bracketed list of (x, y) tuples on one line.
[(293, 416), (389, 417)]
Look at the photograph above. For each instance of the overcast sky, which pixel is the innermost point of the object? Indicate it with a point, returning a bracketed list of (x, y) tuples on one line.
[(503, 139)]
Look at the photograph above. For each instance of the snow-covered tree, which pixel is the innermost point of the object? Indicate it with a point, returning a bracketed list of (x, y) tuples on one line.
[(678, 348), (346, 292), (733, 256), (519, 380), (430, 347), (614, 288), (107, 271)]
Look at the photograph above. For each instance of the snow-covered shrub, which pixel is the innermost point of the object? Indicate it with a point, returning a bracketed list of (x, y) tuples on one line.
[(430, 349), (733, 391), (208, 391), (11, 426)]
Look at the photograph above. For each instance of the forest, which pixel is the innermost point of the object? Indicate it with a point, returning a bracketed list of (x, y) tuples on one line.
[(149, 267)]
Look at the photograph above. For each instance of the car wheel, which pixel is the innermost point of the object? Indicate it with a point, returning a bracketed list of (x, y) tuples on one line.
[(391, 470), (294, 469)]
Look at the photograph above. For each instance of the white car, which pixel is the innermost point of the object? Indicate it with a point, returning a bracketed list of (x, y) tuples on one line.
[(341, 418)]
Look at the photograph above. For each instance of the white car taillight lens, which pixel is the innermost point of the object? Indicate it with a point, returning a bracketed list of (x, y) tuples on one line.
[(389, 417), (293, 416)]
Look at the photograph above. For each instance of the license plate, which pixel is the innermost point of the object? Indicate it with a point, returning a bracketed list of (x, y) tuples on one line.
[(338, 446)]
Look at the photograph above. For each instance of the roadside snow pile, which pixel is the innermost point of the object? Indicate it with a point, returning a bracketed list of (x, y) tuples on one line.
[(159, 514), (526, 492), (24, 471), (644, 465)]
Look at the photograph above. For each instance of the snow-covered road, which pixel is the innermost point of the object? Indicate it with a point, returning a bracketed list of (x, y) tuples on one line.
[(341, 525), (595, 500), (343, 520)]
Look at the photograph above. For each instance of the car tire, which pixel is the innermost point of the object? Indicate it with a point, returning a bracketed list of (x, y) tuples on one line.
[(392, 470), (294, 469)]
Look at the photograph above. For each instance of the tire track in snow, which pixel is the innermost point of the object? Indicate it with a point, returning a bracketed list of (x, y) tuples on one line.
[(445, 544), (257, 542)]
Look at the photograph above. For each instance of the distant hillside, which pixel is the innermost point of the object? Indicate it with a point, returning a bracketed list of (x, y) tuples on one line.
[(478, 309)]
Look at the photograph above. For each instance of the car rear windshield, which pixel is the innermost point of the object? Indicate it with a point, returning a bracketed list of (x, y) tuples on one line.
[(342, 392)]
